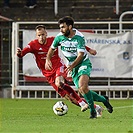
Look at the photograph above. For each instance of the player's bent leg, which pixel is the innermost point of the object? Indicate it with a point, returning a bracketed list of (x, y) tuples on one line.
[(104, 99), (66, 94)]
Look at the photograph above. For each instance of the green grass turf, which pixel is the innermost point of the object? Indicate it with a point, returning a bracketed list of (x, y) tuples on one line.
[(36, 116)]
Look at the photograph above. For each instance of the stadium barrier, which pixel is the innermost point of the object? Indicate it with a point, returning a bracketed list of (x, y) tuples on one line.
[(21, 88), (114, 88)]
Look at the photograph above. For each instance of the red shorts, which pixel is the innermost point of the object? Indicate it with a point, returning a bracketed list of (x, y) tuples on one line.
[(59, 72)]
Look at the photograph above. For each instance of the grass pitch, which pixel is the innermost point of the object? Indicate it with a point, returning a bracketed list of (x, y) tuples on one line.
[(36, 116)]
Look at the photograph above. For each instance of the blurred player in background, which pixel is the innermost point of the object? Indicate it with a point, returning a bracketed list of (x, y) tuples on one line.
[(72, 44), (56, 77)]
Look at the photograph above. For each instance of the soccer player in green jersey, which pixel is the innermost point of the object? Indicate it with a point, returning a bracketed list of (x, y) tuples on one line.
[(72, 44)]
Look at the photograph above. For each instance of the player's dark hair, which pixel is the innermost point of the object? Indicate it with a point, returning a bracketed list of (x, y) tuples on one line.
[(40, 27), (67, 19)]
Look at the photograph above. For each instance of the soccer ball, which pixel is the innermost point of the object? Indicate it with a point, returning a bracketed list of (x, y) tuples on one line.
[(60, 108)]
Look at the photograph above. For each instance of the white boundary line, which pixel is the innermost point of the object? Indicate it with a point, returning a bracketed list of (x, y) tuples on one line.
[(121, 107)]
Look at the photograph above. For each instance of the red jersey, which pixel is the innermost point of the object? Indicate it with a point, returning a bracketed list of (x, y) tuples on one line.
[(40, 52)]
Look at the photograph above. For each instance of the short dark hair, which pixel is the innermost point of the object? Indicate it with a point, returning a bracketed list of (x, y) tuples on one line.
[(40, 27), (67, 19)]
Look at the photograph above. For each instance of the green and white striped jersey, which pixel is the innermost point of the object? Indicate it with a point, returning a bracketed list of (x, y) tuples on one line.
[(71, 46)]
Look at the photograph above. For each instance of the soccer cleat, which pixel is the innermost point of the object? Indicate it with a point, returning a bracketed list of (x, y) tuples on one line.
[(108, 105), (99, 111), (85, 107), (93, 115)]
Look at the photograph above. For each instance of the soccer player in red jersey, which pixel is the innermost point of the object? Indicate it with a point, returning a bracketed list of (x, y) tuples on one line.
[(56, 77)]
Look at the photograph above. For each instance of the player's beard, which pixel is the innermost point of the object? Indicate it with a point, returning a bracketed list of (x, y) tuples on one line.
[(67, 33)]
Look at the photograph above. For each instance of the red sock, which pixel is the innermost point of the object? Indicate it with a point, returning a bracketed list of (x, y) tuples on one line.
[(60, 91), (71, 92)]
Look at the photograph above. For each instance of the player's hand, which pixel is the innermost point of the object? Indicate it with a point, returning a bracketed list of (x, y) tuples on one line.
[(48, 65), (19, 51), (92, 52), (69, 69)]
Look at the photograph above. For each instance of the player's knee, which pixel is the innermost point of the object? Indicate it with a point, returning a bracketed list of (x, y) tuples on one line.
[(83, 89), (59, 81), (59, 84)]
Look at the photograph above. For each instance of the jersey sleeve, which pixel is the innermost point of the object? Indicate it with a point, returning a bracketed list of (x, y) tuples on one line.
[(56, 42), (87, 48), (26, 50)]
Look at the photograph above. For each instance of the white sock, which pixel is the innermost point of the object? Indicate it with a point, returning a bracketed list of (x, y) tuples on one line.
[(82, 103), (97, 107)]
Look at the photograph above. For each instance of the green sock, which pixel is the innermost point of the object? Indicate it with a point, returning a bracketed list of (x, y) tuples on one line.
[(89, 98), (97, 97)]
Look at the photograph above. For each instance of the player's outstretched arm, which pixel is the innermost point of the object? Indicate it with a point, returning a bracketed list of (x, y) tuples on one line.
[(91, 51)]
